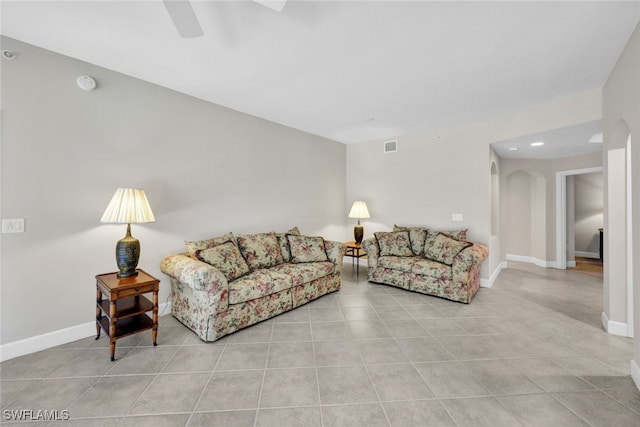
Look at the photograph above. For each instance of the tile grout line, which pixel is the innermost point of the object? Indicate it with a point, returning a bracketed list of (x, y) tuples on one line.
[(264, 374), (206, 384)]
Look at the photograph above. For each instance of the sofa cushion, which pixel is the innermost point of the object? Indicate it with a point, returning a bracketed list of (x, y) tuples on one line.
[(417, 236), (193, 246), (444, 249), (305, 272), (226, 258), (257, 284), (460, 235), (398, 262), (284, 243), (394, 243), (306, 249), (260, 250), (431, 268)]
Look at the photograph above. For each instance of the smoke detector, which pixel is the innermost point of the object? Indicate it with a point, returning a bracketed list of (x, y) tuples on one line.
[(86, 83), (8, 54)]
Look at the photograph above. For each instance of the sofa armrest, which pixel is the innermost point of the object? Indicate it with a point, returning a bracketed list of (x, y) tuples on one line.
[(468, 259), (372, 249), (195, 274), (335, 252)]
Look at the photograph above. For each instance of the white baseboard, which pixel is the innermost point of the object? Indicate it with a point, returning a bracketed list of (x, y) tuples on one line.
[(487, 283), (55, 338), (571, 264), (531, 260), (613, 327), (594, 255), (635, 373)]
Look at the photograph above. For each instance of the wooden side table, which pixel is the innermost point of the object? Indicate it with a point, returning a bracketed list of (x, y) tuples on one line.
[(355, 251), (123, 311)]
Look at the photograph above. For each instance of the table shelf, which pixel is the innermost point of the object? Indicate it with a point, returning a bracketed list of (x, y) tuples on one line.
[(128, 325), (128, 307)]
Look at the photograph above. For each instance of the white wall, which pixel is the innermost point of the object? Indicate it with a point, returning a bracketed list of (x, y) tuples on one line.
[(588, 212), (621, 118), (206, 170)]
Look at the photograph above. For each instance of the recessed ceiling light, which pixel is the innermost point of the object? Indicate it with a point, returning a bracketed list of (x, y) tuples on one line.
[(537, 144), (513, 148), (596, 138)]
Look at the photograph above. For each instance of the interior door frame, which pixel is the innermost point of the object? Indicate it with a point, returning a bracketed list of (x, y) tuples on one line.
[(561, 212)]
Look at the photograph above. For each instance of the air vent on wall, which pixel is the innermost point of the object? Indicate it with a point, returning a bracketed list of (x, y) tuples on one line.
[(391, 146)]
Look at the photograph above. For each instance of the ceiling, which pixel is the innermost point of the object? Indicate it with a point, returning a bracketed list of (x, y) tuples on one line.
[(347, 71), (558, 143)]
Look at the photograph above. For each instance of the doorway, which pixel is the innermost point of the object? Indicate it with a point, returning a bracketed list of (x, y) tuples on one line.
[(562, 223)]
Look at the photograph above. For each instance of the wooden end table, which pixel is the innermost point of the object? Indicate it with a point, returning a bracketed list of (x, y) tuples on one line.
[(123, 311), (355, 251)]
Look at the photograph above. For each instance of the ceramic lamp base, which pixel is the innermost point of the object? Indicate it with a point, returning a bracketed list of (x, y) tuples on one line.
[(358, 233), (127, 254)]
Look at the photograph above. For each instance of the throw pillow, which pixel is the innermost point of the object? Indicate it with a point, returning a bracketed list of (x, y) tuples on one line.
[(284, 243), (306, 249), (394, 243), (260, 250), (444, 249), (226, 258), (194, 246), (417, 236), (460, 235)]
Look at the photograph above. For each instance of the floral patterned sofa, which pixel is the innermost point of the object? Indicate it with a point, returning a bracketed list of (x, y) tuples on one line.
[(226, 283), (438, 263)]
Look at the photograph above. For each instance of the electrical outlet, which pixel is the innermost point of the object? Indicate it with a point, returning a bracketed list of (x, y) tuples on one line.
[(457, 217), (15, 225)]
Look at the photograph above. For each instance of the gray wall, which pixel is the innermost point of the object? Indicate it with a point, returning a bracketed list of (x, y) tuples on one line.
[(588, 212), (206, 170)]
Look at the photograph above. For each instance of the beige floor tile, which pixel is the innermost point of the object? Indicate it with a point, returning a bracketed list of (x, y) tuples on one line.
[(289, 387), (398, 381), (291, 355), (336, 353), (231, 390), (226, 418), (341, 385), (451, 379), (479, 412), (534, 410), (598, 409), (370, 415), (417, 413), (284, 417), (170, 393)]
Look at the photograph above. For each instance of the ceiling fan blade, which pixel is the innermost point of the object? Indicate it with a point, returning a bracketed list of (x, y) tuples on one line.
[(184, 18), (276, 5)]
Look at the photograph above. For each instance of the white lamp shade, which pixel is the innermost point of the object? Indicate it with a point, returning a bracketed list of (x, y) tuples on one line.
[(128, 206), (359, 210)]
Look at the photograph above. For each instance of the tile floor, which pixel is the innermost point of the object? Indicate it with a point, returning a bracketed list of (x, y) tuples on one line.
[(528, 352)]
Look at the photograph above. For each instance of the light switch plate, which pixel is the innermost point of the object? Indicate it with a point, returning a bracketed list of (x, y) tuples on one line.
[(15, 225), (457, 217)]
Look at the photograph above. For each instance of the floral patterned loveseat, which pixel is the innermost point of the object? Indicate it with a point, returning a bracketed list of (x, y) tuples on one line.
[(226, 283), (438, 263)]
